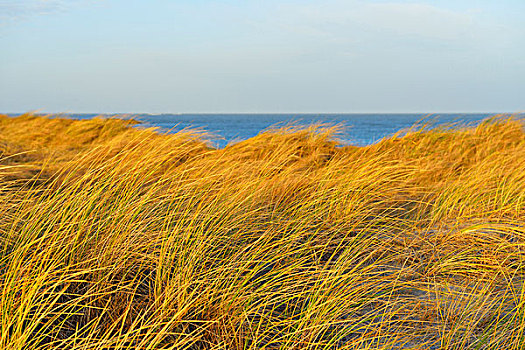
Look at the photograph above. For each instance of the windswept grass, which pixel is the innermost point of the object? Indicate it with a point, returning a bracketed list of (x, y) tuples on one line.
[(115, 237)]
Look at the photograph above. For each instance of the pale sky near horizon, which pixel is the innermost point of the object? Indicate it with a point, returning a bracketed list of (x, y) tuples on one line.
[(161, 56)]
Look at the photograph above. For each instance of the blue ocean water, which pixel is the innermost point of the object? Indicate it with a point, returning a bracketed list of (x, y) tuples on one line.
[(359, 129)]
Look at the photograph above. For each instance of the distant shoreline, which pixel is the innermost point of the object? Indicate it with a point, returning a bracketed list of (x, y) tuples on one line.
[(357, 129)]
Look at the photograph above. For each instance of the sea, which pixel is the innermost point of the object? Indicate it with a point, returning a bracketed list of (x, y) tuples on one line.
[(357, 129)]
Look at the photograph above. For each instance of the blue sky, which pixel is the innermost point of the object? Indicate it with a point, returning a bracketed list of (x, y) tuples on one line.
[(160, 56)]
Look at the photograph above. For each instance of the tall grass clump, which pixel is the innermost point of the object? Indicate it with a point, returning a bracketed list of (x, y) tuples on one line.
[(119, 237)]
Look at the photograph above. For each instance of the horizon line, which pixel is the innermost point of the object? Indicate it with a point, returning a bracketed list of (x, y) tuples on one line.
[(260, 113)]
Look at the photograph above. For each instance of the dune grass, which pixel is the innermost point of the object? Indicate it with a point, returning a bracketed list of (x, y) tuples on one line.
[(115, 237)]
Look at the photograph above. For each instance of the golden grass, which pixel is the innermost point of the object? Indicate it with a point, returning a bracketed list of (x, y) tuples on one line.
[(115, 237)]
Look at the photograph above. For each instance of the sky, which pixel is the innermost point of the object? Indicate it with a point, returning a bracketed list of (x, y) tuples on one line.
[(226, 56)]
